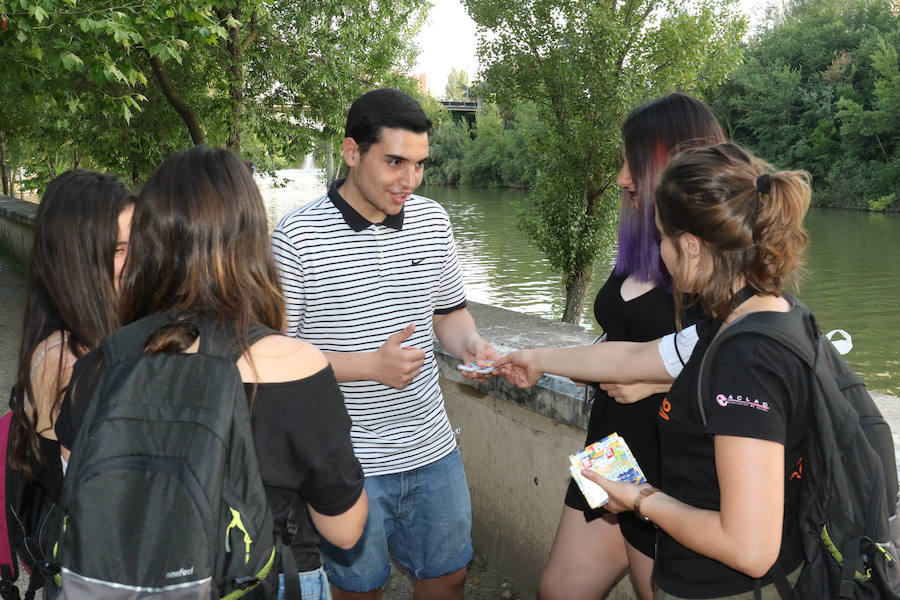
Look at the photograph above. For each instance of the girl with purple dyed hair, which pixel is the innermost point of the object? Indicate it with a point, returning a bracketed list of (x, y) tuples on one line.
[(635, 304), (729, 492)]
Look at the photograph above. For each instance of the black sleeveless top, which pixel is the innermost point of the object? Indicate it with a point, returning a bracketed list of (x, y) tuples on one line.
[(641, 319)]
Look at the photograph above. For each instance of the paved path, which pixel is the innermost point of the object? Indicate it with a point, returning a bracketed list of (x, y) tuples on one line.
[(12, 304)]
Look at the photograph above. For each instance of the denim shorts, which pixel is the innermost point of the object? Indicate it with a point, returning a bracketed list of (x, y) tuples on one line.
[(313, 586), (422, 517)]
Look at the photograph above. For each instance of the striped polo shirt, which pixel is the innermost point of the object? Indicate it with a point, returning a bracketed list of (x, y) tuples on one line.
[(350, 284)]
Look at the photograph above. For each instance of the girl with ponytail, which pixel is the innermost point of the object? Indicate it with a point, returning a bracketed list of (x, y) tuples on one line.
[(731, 237)]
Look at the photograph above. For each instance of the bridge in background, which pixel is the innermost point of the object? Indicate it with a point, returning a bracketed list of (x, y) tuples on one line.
[(463, 109)]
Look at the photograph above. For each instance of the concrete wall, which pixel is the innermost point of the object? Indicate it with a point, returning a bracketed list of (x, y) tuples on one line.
[(516, 468), (16, 218), (515, 445)]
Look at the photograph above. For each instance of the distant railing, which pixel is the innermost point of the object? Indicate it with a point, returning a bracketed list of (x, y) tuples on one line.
[(461, 105)]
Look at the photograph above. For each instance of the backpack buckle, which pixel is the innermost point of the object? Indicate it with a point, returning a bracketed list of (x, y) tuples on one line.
[(242, 583), (49, 568), (288, 533)]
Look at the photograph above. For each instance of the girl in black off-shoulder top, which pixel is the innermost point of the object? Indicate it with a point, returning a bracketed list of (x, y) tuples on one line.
[(301, 431), (302, 434), (200, 245)]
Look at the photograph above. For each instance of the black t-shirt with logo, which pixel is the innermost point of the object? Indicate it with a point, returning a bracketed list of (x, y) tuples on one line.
[(758, 389)]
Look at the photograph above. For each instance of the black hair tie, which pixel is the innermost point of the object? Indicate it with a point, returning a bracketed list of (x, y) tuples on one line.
[(763, 185)]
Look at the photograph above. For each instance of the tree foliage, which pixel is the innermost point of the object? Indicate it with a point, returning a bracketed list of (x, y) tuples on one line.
[(448, 144), (820, 90), (483, 162), (583, 64), (457, 87), (134, 81), (490, 154)]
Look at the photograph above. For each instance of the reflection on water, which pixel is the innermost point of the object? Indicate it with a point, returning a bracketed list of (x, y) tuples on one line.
[(852, 277), (853, 283), (289, 189), (499, 267)]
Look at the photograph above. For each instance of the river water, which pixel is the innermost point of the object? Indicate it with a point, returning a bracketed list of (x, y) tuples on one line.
[(851, 281)]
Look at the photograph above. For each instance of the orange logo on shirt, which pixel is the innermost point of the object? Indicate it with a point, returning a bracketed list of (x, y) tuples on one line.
[(798, 470), (664, 408)]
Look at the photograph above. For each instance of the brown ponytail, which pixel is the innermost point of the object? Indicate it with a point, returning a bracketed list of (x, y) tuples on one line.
[(748, 217)]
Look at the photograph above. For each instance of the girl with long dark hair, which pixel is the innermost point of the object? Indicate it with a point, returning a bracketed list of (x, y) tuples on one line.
[(80, 244), (731, 236), (200, 249)]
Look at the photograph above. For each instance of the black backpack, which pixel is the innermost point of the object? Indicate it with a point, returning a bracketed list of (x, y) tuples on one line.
[(163, 495), (29, 525), (848, 494)]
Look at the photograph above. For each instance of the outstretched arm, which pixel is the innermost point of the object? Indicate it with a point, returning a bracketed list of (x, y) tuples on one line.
[(622, 362)]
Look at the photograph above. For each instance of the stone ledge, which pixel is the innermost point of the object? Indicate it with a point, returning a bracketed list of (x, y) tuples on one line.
[(18, 210), (16, 227), (555, 397)]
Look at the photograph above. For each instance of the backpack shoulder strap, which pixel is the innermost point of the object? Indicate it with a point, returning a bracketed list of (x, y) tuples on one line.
[(221, 341), (258, 332), (795, 329), (129, 340)]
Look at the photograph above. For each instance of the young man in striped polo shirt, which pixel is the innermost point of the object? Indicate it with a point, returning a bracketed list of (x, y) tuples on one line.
[(371, 276)]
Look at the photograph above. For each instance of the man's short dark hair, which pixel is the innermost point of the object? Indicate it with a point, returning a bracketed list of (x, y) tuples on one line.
[(384, 107)]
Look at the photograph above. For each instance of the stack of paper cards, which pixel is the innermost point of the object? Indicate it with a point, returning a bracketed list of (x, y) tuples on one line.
[(474, 367), (611, 458)]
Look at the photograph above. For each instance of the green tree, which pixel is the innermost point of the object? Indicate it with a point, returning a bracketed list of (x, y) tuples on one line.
[(875, 128), (879, 123), (523, 128), (817, 91), (482, 164), (279, 73), (320, 56), (584, 64), (457, 87), (448, 145)]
